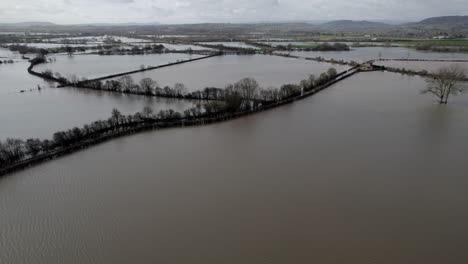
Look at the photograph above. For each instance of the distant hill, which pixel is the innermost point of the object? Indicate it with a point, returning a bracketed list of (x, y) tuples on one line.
[(120, 24), (29, 24), (445, 20), (448, 24), (353, 25)]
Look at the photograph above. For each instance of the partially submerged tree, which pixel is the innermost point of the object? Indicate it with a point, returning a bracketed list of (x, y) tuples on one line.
[(446, 82), (69, 50)]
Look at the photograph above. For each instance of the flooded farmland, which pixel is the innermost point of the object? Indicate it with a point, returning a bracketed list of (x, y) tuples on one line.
[(370, 53), (220, 71), (365, 169), (94, 66)]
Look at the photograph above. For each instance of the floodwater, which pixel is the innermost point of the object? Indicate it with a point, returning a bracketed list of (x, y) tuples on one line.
[(232, 44), (7, 54), (367, 171), (299, 43), (14, 77), (183, 47), (94, 66), (39, 114), (370, 53), (422, 65), (220, 71)]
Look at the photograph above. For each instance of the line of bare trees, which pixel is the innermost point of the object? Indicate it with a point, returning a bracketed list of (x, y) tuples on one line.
[(244, 95), (247, 90), (319, 47), (14, 150), (6, 62)]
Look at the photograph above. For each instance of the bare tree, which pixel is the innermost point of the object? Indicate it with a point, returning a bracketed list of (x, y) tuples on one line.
[(247, 89), (148, 85), (180, 89), (147, 112), (446, 82), (127, 83), (69, 50)]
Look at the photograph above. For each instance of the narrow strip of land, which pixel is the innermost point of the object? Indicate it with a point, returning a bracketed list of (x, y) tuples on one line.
[(150, 124)]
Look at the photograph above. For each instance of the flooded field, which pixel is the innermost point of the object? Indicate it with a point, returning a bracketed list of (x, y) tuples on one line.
[(93, 66), (100, 39), (365, 54), (301, 43), (422, 65), (368, 171), (14, 77), (233, 44), (35, 113), (183, 47), (39, 114), (220, 71), (7, 54)]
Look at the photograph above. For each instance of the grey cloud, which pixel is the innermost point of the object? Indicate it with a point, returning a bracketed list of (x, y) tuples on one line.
[(194, 11)]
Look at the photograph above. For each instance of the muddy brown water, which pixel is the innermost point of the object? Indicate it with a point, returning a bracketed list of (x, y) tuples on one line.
[(367, 171)]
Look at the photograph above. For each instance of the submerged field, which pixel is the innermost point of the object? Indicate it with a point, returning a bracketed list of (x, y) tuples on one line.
[(422, 65), (93, 66), (219, 71), (354, 174), (369, 53)]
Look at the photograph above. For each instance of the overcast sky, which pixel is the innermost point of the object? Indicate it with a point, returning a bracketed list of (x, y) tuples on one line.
[(196, 11)]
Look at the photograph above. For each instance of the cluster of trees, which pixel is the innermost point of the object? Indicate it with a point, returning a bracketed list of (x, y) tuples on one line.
[(23, 49), (329, 47), (335, 61), (237, 50), (408, 71), (245, 94), (440, 48), (135, 50), (386, 44), (14, 150), (319, 47), (322, 59), (6, 62)]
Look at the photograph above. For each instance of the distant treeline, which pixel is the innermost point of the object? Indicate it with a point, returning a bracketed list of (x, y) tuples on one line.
[(6, 61), (248, 89), (14, 150), (135, 50), (23, 49), (226, 49), (440, 48), (101, 49), (319, 59), (319, 47)]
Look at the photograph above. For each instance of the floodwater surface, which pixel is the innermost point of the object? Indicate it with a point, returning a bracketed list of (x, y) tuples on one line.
[(367, 171), (220, 71), (429, 66), (94, 66), (39, 114), (371, 53), (36, 113)]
